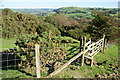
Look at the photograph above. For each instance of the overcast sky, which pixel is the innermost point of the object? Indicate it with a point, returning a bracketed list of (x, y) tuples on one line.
[(59, 3)]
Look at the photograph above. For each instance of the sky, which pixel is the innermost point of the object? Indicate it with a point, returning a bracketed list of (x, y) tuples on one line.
[(58, 3)]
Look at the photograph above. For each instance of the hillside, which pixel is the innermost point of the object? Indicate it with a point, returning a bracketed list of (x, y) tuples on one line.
[(84, 12), (69, 11), (40, 12), (58, 35)]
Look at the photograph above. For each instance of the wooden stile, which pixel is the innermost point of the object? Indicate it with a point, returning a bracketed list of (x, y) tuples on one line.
[(90, 50)]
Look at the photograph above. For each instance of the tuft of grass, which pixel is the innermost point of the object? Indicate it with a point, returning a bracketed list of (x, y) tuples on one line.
[(14, 74)]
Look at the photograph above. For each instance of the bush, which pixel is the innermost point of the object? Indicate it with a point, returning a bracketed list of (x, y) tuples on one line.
[(47, 27), (69, 40), (76, 33), (50, 51)]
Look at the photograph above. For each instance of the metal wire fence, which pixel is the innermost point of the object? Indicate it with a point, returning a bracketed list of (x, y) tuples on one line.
[(21, 58), (13, 59)]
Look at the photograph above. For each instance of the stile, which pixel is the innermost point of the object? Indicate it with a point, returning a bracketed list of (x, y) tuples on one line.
[(91, 49)]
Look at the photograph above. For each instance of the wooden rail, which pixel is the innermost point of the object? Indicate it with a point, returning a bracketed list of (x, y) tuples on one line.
[(65, 65)]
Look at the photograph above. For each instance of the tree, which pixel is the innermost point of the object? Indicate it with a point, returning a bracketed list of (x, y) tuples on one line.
[(100, 25)]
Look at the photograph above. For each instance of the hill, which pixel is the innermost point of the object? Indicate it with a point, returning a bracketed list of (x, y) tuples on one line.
[(84, 12), (39, 11), (69, 11)]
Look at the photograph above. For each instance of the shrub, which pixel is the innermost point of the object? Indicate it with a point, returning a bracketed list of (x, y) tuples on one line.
[(51, 49)]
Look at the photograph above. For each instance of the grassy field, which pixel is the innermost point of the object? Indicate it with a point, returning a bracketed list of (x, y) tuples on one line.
[(7, 43), (105, 64)]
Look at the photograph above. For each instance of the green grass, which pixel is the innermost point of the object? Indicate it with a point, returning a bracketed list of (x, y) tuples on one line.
[(110, 56), (14, 74), (8, 43)]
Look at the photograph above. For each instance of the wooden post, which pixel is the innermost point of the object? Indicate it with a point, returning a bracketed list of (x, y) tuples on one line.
[(103, 44), (37, 55), (81, 44), (83, 56), (91, 63)]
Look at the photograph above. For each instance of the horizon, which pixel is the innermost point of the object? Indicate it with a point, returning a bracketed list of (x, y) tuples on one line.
[(57, 8), (58, 4)]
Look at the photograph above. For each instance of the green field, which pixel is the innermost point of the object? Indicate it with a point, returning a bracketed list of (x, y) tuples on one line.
[(8, 43), (76, 71)]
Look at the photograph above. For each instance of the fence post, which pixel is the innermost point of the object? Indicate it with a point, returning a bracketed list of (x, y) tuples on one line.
[(83, 56), (81, 44), (103, 44), (37, 55), (91, 63)]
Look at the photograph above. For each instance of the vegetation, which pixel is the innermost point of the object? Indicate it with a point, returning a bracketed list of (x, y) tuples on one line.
[(70, 11), (8, 43), (40, 12), (102, 24), (58, 35), (102, 68), (15, 23)]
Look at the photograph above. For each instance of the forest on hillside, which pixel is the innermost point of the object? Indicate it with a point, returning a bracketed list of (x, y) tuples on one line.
[(15, 23)]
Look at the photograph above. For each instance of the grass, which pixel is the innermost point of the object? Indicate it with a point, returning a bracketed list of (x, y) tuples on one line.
[(110, 57), (73, 71), (8, 43), (110, 54), (14, 74)]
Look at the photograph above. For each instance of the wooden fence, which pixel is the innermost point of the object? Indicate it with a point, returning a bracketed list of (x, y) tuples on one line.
[(91, 49), (88, 50)]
